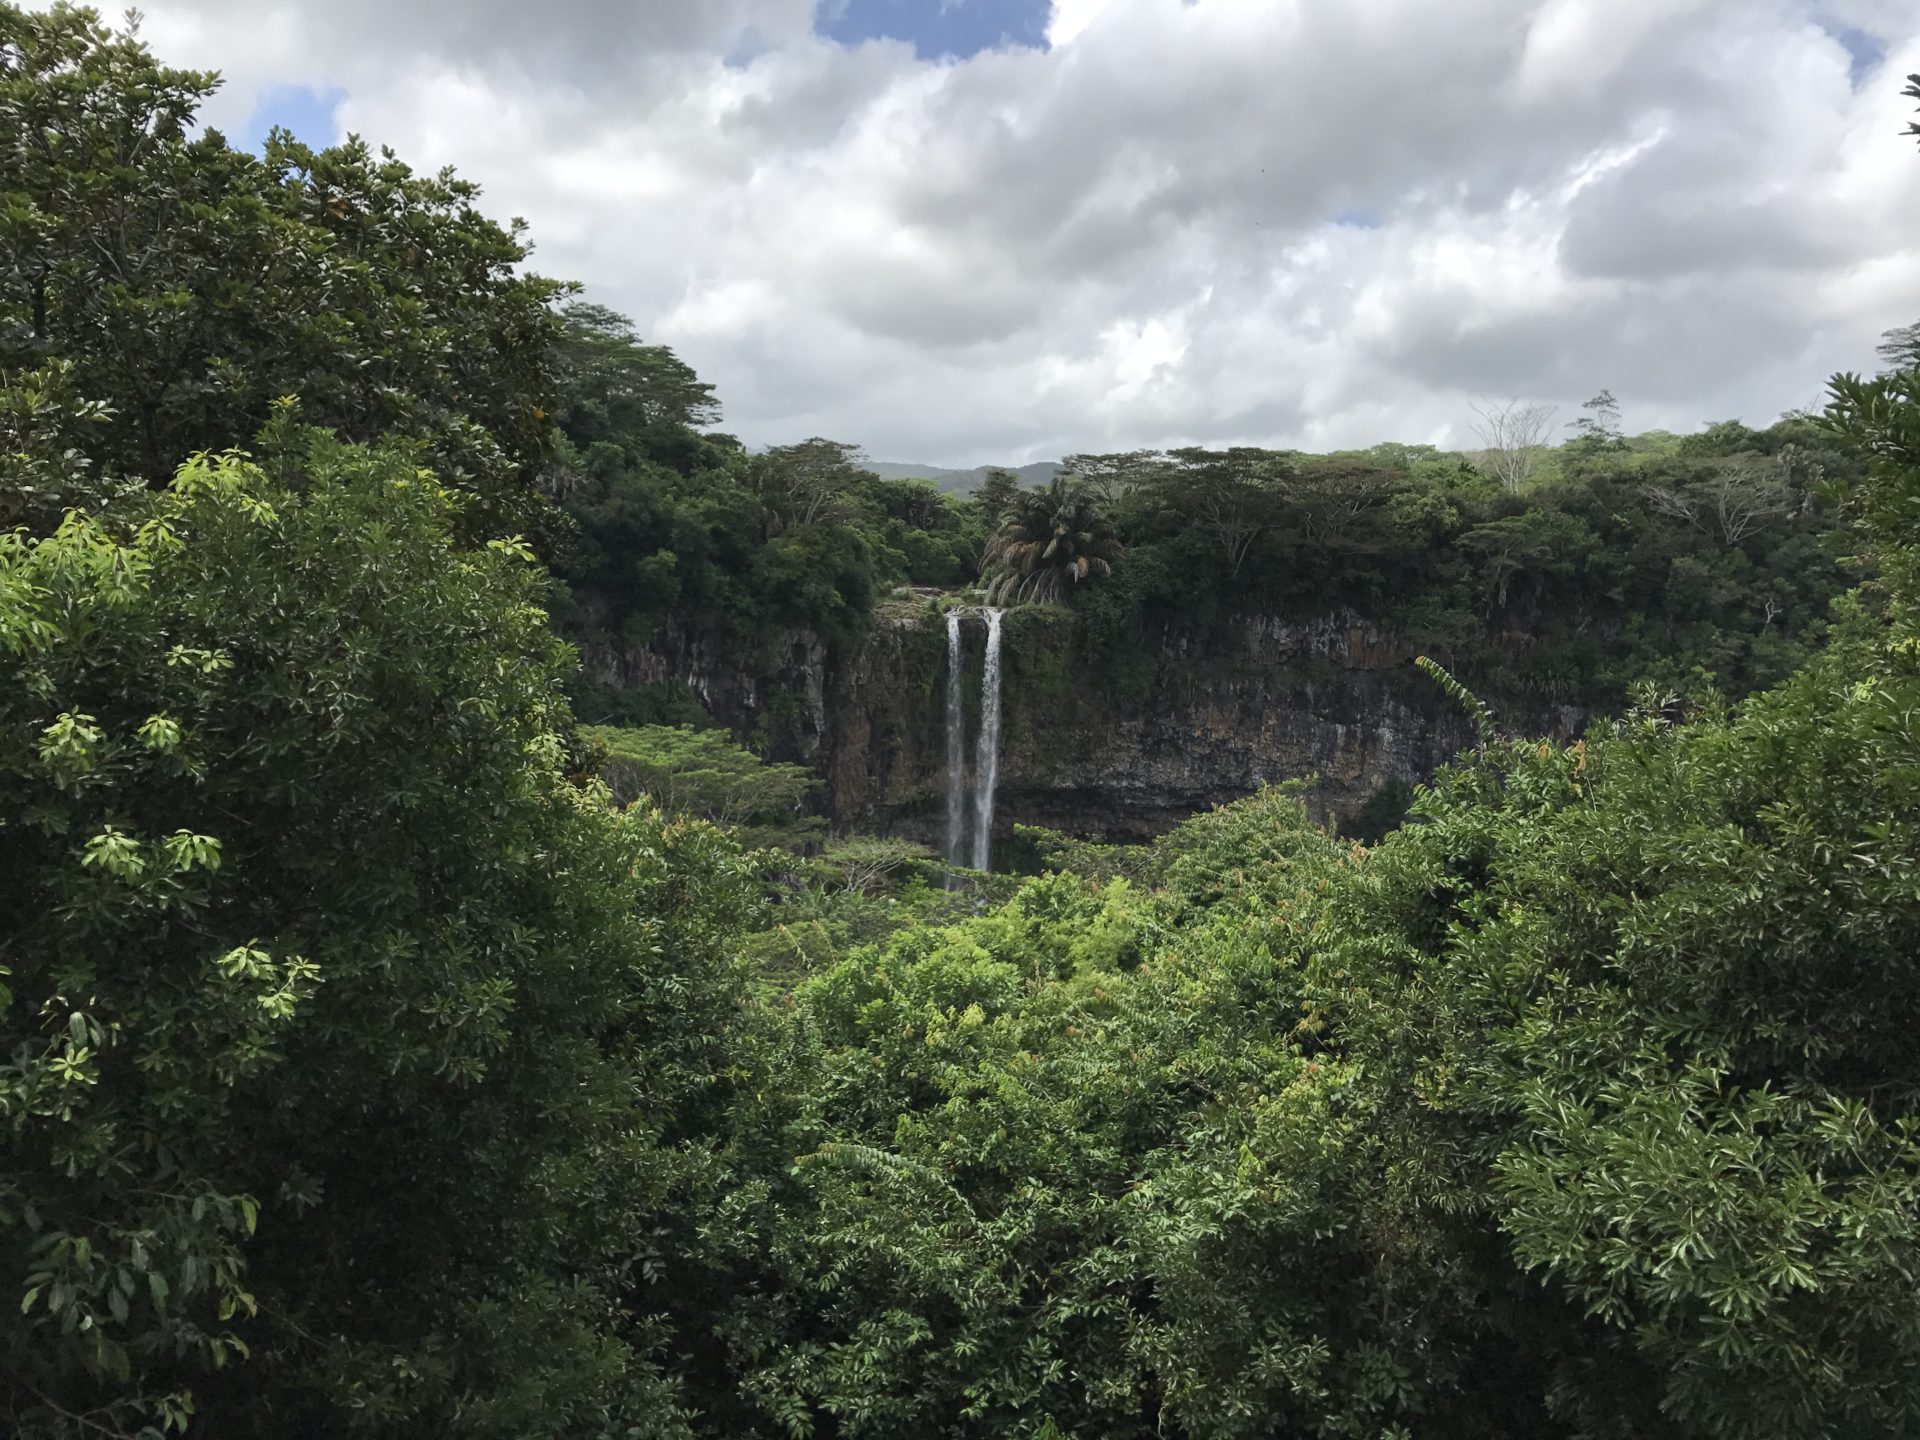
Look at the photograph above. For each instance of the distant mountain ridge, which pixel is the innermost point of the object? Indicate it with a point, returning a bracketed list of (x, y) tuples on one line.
[(962, 482)]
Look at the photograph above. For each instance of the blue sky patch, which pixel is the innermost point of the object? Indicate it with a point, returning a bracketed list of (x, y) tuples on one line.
[(936, 28), (1358, 219), (1864, 50), (308, 113)]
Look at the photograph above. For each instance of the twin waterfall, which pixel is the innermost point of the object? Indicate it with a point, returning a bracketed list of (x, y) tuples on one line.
[(986, 757)]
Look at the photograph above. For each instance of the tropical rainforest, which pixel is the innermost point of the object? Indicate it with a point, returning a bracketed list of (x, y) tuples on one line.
[(405, 1034)]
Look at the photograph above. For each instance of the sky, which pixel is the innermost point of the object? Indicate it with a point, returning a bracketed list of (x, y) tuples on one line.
[(992, 231)]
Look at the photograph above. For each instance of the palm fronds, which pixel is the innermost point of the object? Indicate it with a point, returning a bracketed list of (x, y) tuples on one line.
[(1050, 542)]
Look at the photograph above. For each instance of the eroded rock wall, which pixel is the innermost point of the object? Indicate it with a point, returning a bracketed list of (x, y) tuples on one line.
[(1334, 698)]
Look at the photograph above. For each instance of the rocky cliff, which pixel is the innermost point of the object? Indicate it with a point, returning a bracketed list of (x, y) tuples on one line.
[(1194, 721), (1334, 698)]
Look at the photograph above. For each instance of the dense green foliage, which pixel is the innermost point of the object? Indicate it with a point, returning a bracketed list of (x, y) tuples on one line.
[(368, 1068), (1619, 560), (299, 995), (699, 772), (181, 286), (683, 536), (1684, 560), (1690, 561)]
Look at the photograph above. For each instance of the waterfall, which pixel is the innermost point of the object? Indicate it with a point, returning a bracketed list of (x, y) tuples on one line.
[(956, 748), (986, 764)]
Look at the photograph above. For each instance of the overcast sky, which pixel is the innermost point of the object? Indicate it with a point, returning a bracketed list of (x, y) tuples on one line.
[(959, 231)]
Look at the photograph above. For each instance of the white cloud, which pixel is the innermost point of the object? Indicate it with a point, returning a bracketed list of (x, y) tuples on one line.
[(1127, 240), (1580, 46), (1068, 18)]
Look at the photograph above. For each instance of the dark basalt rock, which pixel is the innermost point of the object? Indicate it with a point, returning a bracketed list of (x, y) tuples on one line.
[(1215, 716)]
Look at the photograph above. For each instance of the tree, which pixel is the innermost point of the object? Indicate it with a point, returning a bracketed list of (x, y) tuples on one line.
[(326, 992), (1051, 541), (1533, 542), (613, 383), (187, 286), (1737, 499), (866, 864), (913, 504), (1334, 499), (1113, 480), (699, 772), (1880, 419), (1513, 435), (1237, 495), (1598, 430), (1723, 439), (995, 493), (816, 481), (1899, 348)]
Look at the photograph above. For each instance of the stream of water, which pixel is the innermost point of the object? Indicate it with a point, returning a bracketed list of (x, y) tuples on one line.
[(956, 747), (986, 763)]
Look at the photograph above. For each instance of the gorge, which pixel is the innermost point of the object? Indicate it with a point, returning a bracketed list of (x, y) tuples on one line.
[(1063, 741), (1180, 628)]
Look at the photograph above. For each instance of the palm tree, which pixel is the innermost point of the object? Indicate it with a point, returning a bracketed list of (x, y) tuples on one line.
[(1048, 543)]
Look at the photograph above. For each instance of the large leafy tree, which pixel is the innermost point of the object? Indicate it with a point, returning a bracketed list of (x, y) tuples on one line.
[(680, 536), (612, 383), (815, 482), (1235, 496), (186, 285), (1049, 542), (701, 772), (338, 1028)]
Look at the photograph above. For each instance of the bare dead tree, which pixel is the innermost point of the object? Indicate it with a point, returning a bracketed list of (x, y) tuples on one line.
[(1676, 504), (1513, 434), (1747, 498), (1742, 497)]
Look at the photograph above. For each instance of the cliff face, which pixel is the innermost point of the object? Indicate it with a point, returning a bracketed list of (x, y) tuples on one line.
[(778, 699), (1334, 698), (1193, 723)]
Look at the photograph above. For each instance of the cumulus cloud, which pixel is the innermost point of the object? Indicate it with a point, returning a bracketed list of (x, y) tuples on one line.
[(1142, 234)]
